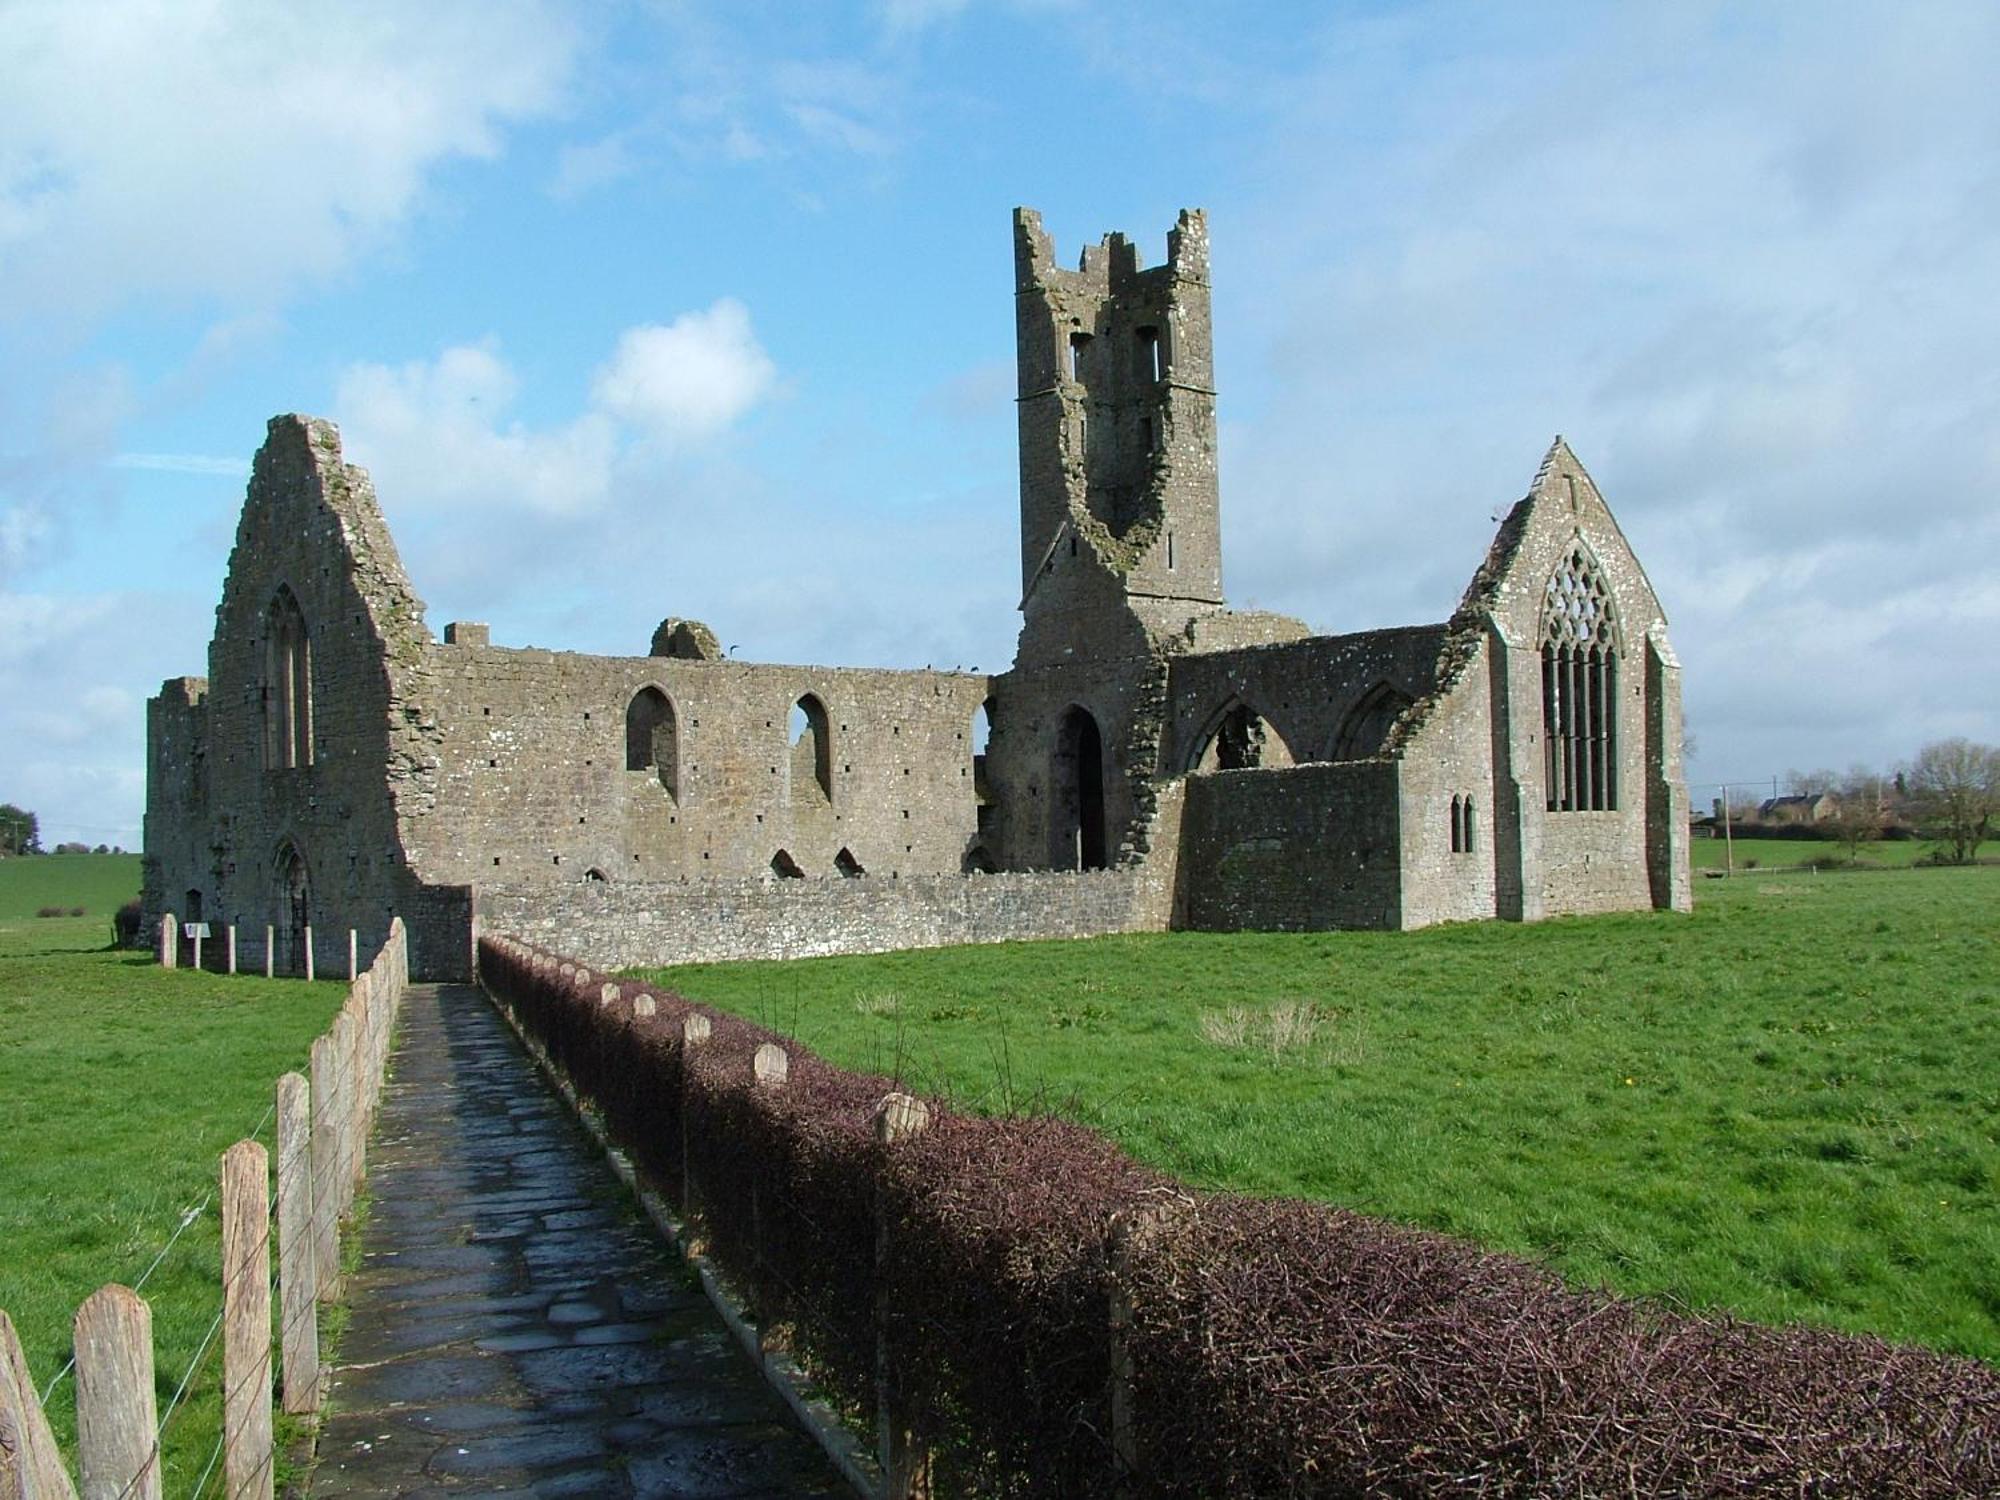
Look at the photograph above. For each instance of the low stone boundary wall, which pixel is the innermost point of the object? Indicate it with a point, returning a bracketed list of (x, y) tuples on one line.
[(631, 924), (1024, 1309)]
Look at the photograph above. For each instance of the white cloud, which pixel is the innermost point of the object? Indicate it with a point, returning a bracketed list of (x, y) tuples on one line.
[(688, 379), (184, 463), (229, 149), (437, 435)]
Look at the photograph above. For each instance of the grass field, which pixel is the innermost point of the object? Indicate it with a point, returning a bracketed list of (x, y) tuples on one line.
[(120, 1086), (1767, 854), (1784, 1105)]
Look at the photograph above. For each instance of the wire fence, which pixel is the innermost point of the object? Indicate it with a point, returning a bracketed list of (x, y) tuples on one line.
[(111, 1363)]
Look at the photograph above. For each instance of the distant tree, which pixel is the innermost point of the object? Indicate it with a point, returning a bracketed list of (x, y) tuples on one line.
[(1861, 803), (1955, 790), (102, 849), (20, 830)]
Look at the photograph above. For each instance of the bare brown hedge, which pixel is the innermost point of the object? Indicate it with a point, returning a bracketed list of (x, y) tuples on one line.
[(1269, 1347)]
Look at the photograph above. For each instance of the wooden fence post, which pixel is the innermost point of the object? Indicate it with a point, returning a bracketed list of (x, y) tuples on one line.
[(357, 1096), (325, 1172), (117, 1419), (31, 1466), (298, 1281), (905, 1464), (695, 1032), (246, 1322), (170, 941)]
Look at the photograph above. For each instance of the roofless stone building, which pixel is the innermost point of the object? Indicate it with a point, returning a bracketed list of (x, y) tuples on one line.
[(1155, 759)]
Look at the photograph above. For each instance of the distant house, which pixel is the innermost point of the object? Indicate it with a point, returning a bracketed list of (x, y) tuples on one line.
[(1813, 807)]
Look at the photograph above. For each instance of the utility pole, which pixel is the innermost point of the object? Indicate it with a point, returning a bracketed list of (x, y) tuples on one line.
[(1728, 839)]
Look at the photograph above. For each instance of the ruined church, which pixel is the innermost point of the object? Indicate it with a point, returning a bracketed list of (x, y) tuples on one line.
[(1152, 760)]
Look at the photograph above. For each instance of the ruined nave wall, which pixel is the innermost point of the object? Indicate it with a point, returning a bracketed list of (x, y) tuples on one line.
[(533, 790)]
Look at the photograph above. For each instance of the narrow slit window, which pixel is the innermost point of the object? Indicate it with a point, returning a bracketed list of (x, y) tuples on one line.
[(1457, 828), (1078, 342)]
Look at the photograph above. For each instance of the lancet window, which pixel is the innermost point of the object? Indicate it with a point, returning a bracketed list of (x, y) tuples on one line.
[(287, 687)]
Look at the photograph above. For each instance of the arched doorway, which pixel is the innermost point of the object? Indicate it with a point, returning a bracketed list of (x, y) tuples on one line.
[(293, 910), (1076, 790)]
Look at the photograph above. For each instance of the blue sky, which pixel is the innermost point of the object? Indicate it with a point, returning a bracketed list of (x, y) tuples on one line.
[(706, 309)]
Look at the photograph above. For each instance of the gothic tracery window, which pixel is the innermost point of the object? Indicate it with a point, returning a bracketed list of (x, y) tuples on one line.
[(1579, 688)]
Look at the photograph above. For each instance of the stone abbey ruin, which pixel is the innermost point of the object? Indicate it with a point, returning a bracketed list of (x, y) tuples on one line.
[(1155, 759)]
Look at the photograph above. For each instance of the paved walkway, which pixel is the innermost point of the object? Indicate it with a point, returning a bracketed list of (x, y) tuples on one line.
[(518, 1328)]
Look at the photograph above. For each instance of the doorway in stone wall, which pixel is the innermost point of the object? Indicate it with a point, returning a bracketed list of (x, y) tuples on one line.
[(1076, 790), (293, 911)]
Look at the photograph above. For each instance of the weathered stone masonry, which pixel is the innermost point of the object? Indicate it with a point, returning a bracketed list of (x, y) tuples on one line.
[(1156, 759)]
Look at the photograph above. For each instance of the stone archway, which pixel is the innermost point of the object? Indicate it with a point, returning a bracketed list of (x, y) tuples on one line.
[(1076, 789), (292, 909)]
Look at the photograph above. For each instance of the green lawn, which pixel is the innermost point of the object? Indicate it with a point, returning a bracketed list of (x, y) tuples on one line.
[(1785, 1104), (1765, 854), (120, 1086)]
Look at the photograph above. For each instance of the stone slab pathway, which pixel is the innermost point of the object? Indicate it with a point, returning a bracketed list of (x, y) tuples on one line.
[(518, 1328)]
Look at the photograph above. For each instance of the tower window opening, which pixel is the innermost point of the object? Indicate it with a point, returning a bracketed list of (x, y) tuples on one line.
[(1170, 552), (1078, 342), (1148, 362), (1457, 826), (785, 867), (1465, 836)]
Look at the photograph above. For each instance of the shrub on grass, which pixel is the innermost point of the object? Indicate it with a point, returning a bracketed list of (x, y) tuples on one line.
[(48, 911), (125, 925)]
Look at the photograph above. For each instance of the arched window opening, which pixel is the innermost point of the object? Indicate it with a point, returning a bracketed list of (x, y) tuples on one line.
[(978, 861), (1579, 688), (982, 733), (1366, 728), (1238, 739), (652, 738), (1076, 812), (848, 865), (785, 867), (596, 876), (287, 687), (1457, 826), (812, 749), (1465, 836)]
